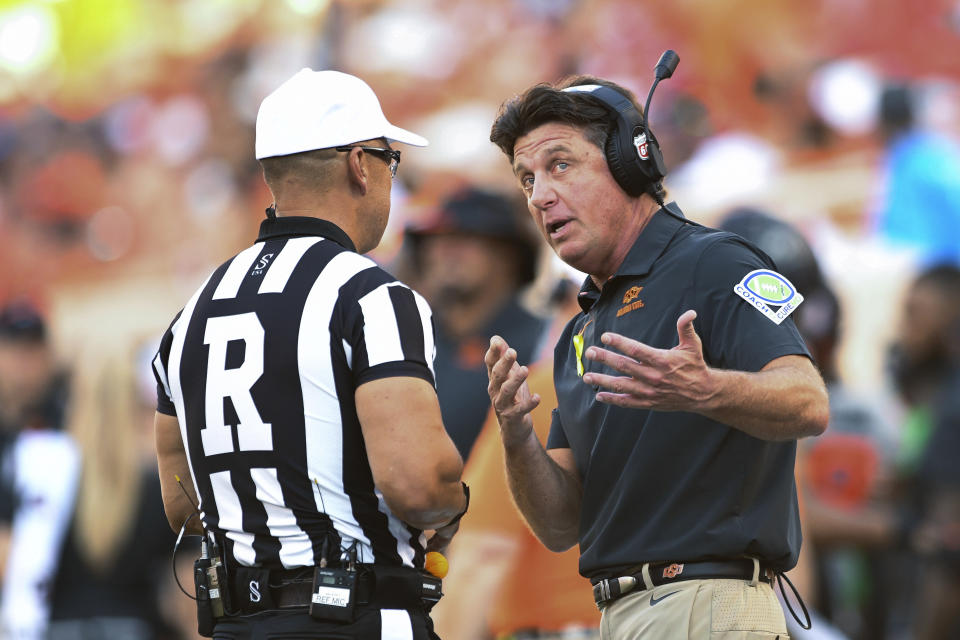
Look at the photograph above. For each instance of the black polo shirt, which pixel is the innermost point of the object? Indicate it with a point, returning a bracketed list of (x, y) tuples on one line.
[(676, 486)]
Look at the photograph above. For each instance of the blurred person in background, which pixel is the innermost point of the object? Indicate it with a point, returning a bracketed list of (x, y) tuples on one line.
[(503, 583), (927, 370), (665, 460), (319, 476), (114, 568), (838, 474), (920, 203), (37, 498), (33, 388), (471, 262)]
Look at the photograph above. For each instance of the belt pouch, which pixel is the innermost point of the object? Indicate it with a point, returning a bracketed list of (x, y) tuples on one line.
[(397, 588), (204, 608), (251, 589), (431, 590), (334, 594)]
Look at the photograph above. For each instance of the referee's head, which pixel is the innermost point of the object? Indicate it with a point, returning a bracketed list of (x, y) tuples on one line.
[(327, 151)]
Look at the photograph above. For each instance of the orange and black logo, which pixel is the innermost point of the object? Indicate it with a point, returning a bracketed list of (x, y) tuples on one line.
[(631, 301), (673, 570)]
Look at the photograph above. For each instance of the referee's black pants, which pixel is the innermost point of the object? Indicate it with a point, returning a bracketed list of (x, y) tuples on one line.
[(370, 623)]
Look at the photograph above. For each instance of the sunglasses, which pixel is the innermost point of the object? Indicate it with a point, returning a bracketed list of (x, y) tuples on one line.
[(391, 156)]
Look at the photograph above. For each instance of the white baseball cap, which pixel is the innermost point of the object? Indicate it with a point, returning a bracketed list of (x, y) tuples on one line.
[(323, 109)]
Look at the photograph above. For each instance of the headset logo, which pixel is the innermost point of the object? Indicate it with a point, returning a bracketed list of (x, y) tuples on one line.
[(255, 591), (640, 142), (673, 570)]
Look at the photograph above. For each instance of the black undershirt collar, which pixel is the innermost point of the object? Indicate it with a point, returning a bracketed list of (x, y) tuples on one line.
[(293, 226)]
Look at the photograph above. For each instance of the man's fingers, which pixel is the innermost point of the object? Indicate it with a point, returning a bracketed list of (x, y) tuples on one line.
[(624, 400), (509, 399), (633, 348), (616, 384), (501, 369), (515, 378), (497, 346), (622, 363), (522, 407), (685, 330)]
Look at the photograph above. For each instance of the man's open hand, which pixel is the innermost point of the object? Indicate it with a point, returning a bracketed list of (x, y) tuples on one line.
[(676, 379)]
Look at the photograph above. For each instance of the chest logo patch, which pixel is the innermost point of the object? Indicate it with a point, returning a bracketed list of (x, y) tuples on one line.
[(764, 289), (631, 301)]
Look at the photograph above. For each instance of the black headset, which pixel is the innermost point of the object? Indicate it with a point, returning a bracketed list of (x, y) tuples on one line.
[(632, 151)]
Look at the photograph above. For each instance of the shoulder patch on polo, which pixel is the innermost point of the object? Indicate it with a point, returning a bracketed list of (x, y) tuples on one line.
[(764, 289)]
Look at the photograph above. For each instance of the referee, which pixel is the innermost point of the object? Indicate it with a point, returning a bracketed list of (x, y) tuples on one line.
[(296, 389)]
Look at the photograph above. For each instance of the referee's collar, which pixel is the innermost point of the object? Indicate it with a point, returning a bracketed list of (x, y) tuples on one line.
[(292, 226)]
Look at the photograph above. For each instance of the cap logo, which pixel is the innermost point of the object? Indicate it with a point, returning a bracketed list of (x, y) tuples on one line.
[(763, 288), (640, 142)]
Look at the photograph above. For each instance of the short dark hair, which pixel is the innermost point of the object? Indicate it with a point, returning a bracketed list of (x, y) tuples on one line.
[(21, 321), (278, 168), (945, 278), (544, 103)]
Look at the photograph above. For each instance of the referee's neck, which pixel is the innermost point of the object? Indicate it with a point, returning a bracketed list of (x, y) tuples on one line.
[(347, 223)]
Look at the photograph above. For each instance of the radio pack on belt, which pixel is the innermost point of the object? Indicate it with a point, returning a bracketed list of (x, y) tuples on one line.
[(334, 594), (431, 590), (210, 581)]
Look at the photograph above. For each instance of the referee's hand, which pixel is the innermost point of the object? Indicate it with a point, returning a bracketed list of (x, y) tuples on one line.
[(509, 393)]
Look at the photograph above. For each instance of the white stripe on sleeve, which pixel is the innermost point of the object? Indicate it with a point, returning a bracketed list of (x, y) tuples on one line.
[(380, 331), (162, 374), (429, 341)]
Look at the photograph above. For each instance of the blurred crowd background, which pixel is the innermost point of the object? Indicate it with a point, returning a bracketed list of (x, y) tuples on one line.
[(826, 131)]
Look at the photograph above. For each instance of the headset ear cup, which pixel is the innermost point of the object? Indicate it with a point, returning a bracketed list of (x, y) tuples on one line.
[(619, 168)]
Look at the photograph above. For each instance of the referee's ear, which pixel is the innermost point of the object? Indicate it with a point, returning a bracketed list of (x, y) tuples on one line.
[(357, 170)]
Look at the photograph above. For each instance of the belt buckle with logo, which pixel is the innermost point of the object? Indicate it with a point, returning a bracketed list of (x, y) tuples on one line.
[(672, 571)]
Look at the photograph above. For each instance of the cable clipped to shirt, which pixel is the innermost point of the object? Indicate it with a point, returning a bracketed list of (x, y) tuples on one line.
[(183, 530)]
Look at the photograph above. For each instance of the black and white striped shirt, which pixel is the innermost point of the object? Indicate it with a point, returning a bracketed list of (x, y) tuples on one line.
[(260, 368)]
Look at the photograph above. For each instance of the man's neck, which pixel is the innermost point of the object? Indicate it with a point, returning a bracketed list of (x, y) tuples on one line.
[(640, 214), (333, 207)]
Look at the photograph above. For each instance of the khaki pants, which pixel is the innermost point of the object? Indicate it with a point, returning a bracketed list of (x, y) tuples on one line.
[(697, 610)]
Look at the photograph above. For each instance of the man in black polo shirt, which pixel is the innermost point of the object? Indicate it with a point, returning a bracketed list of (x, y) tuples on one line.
[(683, 386)]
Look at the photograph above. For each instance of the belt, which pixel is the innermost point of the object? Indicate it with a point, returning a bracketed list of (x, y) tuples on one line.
[(380, 586), (610, 589)]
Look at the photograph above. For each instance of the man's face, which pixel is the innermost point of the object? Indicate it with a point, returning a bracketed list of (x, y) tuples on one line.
[(26, 368), (456, 266), (573, 198), (378, 198), (924, 322)]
